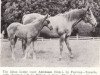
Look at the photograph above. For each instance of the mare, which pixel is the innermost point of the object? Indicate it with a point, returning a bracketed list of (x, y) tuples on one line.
[(28, 33), (63, 25)]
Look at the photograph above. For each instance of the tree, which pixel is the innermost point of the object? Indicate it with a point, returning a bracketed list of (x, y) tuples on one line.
[(13, 10)]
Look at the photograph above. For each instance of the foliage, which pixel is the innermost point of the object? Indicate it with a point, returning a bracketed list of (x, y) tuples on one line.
[(13, 10)]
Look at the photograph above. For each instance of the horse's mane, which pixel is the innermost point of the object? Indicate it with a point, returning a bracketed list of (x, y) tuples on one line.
[(37, 20), (74, 13)]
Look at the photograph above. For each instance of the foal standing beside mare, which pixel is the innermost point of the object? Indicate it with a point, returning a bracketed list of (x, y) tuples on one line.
[(28, 33), (63, 25)]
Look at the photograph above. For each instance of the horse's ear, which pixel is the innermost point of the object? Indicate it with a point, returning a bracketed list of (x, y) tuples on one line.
[(88, 7), (46, 16)]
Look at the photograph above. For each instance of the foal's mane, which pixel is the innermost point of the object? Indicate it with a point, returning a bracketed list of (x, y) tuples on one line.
[(74, 14)]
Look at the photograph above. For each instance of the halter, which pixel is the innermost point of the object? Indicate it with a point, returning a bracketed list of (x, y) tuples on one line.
[(76, 22), (79, 20)]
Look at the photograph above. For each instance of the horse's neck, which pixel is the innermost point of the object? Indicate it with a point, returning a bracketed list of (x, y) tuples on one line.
[(38, 26), (75, 23), (73, 20), (75, 14)]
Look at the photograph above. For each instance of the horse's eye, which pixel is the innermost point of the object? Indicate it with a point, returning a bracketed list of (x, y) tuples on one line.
[(48, 21), (89, 13)]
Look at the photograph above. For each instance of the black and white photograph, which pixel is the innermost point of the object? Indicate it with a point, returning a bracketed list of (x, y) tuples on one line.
[(50, 33)]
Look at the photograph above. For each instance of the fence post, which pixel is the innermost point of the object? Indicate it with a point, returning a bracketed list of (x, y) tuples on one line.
[(77, 36), (42, 39)]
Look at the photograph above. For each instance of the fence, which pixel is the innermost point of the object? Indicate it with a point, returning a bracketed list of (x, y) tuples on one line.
[(71, 38)]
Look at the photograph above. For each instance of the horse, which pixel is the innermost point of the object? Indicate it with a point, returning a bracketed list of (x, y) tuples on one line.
[(28, 33), (63, 24)]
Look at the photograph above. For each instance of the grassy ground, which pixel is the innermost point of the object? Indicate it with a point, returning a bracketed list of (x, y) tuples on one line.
[(86, 54)]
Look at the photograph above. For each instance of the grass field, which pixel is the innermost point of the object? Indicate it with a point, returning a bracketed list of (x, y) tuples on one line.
[(86, 54)]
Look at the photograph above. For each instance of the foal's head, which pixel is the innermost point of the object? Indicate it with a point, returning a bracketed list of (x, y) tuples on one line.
[(46, 23)]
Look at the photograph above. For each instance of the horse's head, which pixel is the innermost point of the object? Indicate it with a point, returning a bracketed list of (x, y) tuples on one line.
[(47, 23), (89, 17)]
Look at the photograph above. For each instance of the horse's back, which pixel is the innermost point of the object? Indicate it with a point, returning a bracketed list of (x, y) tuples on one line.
[(12, 28), (28, 18), (13, 25), (57, 21)]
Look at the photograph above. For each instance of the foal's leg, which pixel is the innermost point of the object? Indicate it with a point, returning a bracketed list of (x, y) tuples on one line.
[(24, 45), (27, 48), (12, 47), (62, 38), (68, 46), (34, 52), (13, 42)]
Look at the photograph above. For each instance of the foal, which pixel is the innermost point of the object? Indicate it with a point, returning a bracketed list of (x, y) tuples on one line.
[(27, 33)]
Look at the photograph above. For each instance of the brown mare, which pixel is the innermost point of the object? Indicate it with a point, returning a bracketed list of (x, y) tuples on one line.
[(28, 33), (63, 25)]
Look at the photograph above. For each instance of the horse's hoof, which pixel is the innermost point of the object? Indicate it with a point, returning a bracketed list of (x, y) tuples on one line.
[(60, 58), (24, 58), (13, 58), (23, 53), (29, 56), (34, 57), (71, 56)]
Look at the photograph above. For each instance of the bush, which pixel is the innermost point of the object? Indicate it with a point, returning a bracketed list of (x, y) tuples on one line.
[(13, 10)]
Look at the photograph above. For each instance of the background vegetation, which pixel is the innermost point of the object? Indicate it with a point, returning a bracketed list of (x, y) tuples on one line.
[(13, 10)]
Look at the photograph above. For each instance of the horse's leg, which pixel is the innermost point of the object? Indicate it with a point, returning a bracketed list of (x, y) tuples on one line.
[(12, 48), (34, 52), (15, 40), (23, 45), (62, 38), (12, 42), (68, 46), (28, 47)]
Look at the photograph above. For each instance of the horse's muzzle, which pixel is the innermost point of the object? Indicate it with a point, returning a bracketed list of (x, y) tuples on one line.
[(48, 21), (51, 28)]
